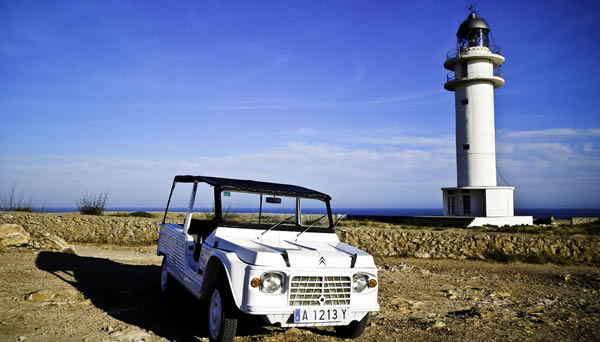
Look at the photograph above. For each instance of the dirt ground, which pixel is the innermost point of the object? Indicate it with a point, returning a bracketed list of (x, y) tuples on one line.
[(109, 293)]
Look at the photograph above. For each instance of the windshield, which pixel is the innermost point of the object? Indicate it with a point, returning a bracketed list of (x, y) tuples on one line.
[(273, 212)]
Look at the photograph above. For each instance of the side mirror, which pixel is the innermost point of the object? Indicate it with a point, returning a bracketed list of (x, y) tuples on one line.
[(338, 218), (274, 200)]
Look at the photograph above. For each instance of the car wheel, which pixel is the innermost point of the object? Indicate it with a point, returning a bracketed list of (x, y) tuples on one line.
[(165, 278), (221, 323), (352, 330)]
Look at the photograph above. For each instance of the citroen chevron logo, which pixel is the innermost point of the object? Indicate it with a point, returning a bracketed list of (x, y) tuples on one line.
[(322, 261)]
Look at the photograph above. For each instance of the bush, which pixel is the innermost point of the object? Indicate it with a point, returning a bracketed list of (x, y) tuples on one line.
[(14, 201), (134, 214), (141, 214), (90, 204)]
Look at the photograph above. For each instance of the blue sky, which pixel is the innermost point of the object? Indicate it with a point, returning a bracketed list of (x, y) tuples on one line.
[(345, 97)]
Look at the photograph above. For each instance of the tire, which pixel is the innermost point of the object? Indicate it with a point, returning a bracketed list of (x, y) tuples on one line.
[(352, 330), (166, 280), (222, 325)]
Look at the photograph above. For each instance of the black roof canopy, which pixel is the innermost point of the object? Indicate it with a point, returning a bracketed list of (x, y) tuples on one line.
[(253, 186), (472, 22)]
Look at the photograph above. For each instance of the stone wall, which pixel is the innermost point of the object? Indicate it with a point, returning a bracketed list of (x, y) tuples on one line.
[(73, 227), (465, 244), (574, 220), (381, 242), (584, 220)]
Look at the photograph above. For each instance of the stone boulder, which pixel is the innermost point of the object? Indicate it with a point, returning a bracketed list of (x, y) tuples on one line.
[(55, 295), (56, 243), (13, 235)]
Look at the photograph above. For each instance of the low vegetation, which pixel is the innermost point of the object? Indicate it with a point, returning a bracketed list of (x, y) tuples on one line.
[(133, 214), (91, 204), (15, 200)]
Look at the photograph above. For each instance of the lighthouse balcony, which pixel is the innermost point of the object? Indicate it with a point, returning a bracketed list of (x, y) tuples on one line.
[(452, 81), (490, 49), (455, 56)]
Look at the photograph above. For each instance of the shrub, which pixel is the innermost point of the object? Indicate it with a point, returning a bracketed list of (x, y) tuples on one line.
[(141, 214), (15, 201), (23, 209), (91, 204), (134, 214)]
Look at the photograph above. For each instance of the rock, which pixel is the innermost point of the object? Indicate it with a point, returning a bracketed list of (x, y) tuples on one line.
[(396, 300), (130, 335), (439, 324), (538, 308), (422, 255), (56, 243), (293, 331), (13, 235), (56, 296)]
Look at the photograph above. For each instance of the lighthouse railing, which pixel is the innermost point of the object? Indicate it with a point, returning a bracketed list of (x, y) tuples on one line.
[(498, 72), (454, 52), (451, 76)]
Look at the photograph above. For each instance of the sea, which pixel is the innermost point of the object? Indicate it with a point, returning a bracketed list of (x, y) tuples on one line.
[(558, 213)]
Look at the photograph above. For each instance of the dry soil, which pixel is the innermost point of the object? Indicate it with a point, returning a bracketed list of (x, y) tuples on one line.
[(109, 293)]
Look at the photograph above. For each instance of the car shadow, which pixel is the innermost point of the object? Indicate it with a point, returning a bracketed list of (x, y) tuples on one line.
[(130, 293)]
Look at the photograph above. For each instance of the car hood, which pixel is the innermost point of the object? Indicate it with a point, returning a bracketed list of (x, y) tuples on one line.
[(286, 249)]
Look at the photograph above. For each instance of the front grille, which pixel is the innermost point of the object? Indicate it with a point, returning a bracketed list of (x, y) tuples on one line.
[(314, 291)]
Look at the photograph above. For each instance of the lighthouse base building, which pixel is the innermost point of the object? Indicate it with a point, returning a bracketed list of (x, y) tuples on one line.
[(487, 205), (474, 74)]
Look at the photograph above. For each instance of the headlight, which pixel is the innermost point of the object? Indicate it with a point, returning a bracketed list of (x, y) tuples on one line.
[(360, 282), (271, 282)]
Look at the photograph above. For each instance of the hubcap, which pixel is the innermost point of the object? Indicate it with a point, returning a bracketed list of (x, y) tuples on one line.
[(215, 311)]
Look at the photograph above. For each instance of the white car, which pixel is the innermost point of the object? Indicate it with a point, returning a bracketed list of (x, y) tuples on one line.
[(270, 250)]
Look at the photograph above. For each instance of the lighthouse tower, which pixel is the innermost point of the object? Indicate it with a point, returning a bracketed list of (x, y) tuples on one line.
[(474, 74)]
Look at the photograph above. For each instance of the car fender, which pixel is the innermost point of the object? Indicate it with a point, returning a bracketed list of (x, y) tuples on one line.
[(227, 266)]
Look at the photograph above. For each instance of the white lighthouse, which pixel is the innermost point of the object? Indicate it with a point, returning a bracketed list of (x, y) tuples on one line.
[(474, 75)]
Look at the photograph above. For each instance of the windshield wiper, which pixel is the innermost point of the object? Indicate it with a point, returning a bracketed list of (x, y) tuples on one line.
[(310, 226), (278, 223)]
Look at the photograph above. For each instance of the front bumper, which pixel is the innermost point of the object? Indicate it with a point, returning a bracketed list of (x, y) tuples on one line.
[(287, 319), (280, 308)]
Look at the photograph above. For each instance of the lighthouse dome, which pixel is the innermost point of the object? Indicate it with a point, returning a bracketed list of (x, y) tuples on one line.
[(473, 32), (473, 22)]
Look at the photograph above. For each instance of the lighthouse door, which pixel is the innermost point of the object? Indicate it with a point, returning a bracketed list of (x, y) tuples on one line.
[(451, 204), (466, 204)]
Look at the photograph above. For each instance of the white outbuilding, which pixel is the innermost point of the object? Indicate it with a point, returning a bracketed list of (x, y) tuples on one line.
[(475, 73)]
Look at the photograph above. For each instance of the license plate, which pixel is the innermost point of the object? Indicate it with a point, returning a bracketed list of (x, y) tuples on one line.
[(319, 315)]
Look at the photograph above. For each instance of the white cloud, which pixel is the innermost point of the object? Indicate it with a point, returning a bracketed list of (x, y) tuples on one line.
[(552, 133), (549, 173), (362, 177), (447, 140), (589, 147), (536, 150), (396, 171), (407, 97), (300, 131)]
